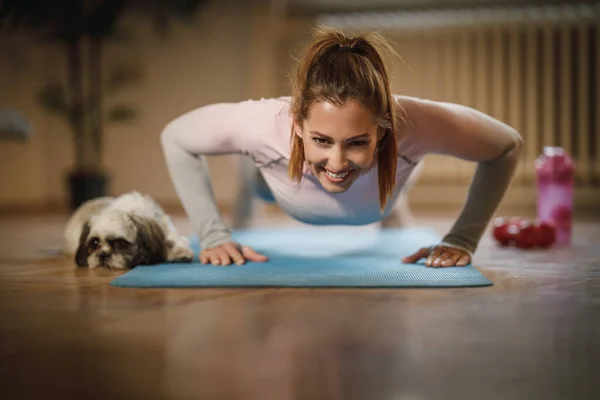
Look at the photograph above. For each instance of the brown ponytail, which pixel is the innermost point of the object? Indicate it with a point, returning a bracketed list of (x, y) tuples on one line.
[(337, 68)]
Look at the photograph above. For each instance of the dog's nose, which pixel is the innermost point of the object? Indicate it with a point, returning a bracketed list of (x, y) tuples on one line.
[(103, 256)]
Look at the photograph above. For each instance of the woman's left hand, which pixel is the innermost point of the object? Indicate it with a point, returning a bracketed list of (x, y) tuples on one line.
[(440, 256)]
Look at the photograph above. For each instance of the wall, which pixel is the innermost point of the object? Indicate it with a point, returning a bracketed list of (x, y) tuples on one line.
[(233, 53), (196, 65)]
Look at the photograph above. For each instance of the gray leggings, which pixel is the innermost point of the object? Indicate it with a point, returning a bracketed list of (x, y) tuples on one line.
[(252, 185)]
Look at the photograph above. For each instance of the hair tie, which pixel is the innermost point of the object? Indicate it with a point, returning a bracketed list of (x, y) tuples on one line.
[(345, 47)]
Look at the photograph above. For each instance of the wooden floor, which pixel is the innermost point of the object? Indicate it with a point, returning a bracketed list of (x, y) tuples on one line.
[(66, 334)]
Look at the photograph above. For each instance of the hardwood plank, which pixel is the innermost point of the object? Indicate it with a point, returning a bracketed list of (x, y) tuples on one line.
[(66, 333)]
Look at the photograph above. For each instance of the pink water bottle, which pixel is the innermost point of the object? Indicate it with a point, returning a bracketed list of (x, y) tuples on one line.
[(555, 184)]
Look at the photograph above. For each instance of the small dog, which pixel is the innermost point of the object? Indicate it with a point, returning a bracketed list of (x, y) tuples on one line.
[(124, 232)]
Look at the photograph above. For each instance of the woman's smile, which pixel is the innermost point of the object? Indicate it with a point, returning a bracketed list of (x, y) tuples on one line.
[(337, 177)]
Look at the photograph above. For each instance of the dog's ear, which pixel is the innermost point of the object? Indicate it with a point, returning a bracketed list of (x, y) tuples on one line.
[(150, 242), (82, 250)]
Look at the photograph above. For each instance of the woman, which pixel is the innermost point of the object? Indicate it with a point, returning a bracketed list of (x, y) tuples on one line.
[(339, 150)]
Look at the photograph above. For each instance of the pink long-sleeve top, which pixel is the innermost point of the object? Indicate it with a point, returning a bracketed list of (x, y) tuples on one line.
[(261, 129)]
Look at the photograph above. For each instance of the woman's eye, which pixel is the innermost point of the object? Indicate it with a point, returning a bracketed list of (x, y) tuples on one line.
[(354, 143), (319, 140)]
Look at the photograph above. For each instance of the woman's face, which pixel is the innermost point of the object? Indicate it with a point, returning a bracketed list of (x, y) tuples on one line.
[(339, 143)]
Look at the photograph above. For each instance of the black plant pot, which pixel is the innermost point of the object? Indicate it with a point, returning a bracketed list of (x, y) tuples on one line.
[(84, 186)]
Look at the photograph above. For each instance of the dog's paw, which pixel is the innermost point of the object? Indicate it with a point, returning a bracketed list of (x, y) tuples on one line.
[(182, 260), (181, 255)]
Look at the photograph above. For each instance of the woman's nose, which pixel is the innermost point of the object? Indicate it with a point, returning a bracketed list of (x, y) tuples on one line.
[(337, 159)]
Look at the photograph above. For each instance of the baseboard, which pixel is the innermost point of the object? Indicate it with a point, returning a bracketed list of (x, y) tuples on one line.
[(524, 198), (427, 198), (60, 207), (33, 208)]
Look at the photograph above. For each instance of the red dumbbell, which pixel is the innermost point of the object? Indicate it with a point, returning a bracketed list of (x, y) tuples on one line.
[(546, 233), (506, 230), (523, 233), (527, 236)]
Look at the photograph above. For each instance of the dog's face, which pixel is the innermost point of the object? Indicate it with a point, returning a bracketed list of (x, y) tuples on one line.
[(120, 240)]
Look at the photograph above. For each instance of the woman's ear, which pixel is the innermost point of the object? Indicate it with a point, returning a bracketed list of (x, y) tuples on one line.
[(297, 128), (82, 250)]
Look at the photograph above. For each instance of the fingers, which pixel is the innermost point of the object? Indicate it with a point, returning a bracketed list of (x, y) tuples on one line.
[(252, 255), (463, 260), (433, 257), (422, 252), (214, 256), (203, 257), (227, 253), (447, 257), (234, 253), (222, 256)]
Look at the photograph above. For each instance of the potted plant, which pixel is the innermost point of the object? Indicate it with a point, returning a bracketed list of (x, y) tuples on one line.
[(87, 119), (83, 99)]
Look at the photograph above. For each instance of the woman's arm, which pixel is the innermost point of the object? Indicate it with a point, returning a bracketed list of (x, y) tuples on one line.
[(225, 128), (468, 134)]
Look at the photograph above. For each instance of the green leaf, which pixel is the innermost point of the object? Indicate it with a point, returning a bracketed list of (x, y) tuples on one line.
[(122, 76), (122, 113), (53, 98)]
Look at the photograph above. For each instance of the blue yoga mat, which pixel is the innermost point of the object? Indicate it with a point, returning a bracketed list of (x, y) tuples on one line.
[(314, 258)]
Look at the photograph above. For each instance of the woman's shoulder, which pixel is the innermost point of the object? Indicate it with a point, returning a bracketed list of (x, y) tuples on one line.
[(409, 109), (271, 116), (263, 108), (264, 116), (269, 123), (268, 113), (238, 114), (425, 113)]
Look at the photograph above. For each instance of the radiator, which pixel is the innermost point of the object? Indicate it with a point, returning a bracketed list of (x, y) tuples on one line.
[(535, 68)]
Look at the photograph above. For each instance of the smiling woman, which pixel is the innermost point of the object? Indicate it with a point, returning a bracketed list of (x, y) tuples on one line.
[(342, 84), (338, 143), (339, 150)]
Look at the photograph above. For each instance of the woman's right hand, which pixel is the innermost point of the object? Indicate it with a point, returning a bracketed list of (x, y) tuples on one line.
[(229, 252)]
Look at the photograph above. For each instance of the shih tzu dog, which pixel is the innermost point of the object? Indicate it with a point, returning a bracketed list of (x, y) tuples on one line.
[(124, 232)]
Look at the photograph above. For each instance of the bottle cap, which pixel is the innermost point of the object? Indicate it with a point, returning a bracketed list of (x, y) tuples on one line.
[(554, 151)]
